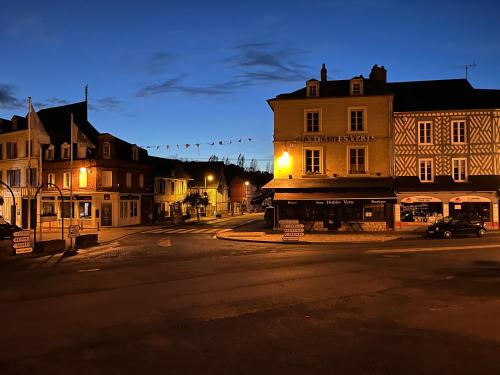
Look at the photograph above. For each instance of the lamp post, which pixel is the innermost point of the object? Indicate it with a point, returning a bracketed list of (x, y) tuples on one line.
[(209, 178), (246, 193)]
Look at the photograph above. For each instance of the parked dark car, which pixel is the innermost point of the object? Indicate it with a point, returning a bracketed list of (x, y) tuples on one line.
[(7, 230), (269, 216), (448, 227)]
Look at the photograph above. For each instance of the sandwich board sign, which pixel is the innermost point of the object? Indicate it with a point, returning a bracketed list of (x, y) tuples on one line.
[(292, 230), (21, 242), (74, 231)]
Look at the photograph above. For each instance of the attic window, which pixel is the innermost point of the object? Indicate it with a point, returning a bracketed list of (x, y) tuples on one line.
[(356, 87), (135, 153), (312, 88), (106, 150), (65, 151), (49, 153)]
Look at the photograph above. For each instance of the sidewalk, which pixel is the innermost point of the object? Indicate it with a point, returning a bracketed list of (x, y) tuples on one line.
[(258, 232)]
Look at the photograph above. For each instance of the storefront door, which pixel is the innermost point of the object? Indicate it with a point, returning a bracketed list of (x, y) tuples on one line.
[(332, 217), (106, 214)]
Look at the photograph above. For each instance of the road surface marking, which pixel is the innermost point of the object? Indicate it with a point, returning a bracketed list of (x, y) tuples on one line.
[(431, 249)]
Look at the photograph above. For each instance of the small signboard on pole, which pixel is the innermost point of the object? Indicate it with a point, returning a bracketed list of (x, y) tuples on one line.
[(21, 242), (293, 230), (74, 231)]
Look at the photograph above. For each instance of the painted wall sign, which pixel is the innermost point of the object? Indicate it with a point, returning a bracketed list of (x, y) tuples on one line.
[(420, 199), (337, 139)]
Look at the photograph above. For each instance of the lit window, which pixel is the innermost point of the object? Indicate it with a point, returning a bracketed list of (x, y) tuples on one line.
[(458, 132), (106, 150), (356, 120), (357, 160), (66, 179), (51, 179), (312, 121), (425, 171), (425, 132), (107, 178), (312, 161), (85, 210), (459, 169), (83, 179)]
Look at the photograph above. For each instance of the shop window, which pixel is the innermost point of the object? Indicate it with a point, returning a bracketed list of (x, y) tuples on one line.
[(85, 210), (374, 212), (312, 159), (421, 212), (471, 210), (352, 212), (312, 121), (425, 170), (357, 160), (67, 210), (424, 132), (48, 209), (356, 120), (133, 208), (123, 209), (458, 132), (66, 179), (459, 167)]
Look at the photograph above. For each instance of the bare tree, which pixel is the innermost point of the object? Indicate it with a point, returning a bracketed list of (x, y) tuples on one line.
[(241, 161)]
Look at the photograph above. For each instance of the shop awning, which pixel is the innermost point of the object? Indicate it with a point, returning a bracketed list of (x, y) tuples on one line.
[(332, 196), (262, 197)]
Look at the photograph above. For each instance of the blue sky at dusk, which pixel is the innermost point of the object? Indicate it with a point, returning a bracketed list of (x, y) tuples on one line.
[(164, 72)]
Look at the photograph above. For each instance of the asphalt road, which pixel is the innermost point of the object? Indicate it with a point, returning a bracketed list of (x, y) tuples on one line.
[(186, 303)]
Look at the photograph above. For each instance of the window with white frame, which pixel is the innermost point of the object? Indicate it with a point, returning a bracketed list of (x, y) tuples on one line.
[(357, 160), (106, 150), (312, 88), (356, 120), (51, 179), (141, 180), (107, 178), (425, 170), (128, 179), (458, 132), (425, 132), (49, 153), (356, 87), (123, 209), (66, 180), (133, 208), (65, 151), (312, 121), (459, 167), (312, 161)]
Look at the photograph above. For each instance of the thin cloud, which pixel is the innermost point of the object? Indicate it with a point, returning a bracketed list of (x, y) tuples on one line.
[(8, 100), (177, 85), (159, 61)]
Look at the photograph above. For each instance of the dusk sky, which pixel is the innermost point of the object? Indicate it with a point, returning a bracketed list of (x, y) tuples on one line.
[(164, 72)]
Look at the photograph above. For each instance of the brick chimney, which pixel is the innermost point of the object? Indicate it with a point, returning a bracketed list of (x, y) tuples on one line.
[(378, 73), (323, 74)]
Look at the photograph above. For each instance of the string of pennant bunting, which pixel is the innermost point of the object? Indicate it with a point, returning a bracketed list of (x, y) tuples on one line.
[(198, 145)]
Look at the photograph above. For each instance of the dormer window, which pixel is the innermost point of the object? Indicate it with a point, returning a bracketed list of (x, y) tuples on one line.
[(356, 87), (312, 88), (135, 153), (49, 153), (65, 151), (106, 150)]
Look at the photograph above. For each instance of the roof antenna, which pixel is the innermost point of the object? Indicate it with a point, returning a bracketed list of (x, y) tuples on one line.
[(86, 93), (467, 67)]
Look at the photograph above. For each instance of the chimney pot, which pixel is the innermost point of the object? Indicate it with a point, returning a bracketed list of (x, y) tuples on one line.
[(378, 73)]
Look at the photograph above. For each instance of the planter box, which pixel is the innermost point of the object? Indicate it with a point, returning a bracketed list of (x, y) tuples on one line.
[(50, 246), (86, 240)]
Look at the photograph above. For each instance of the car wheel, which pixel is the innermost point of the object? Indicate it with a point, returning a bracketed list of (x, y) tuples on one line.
[(446, 234), (481, 232)]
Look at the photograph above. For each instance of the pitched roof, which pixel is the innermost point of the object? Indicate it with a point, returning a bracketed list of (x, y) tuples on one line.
[(446, 94), (56, 121), (168, 167)]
